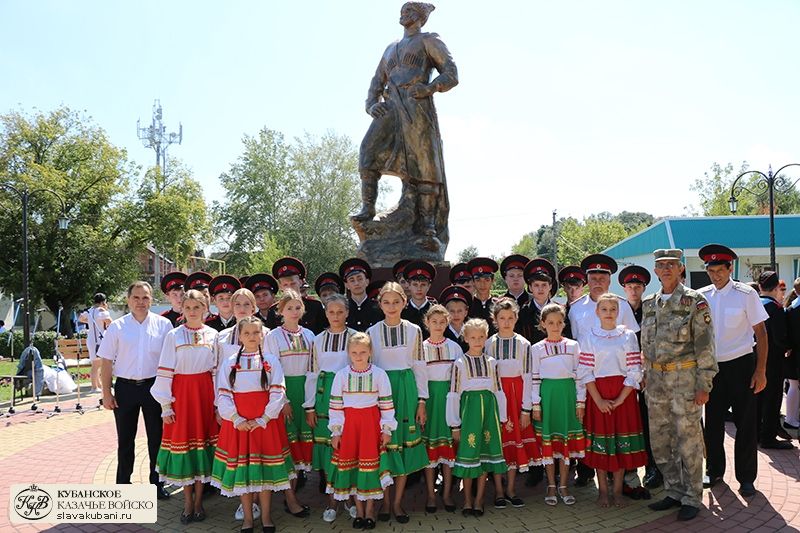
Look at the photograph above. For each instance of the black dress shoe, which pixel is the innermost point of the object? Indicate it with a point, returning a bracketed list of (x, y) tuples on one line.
[(467, 511), (267, 529), (302, 513), (161, 493), (402, 518), (186, 518), (665, 504), (477, 512), (747, 490), (500, 503), (430, 509), (450, 508), (369, 523), (653, 479), (777, 445), (783, 434), (199, 517), (710, 481), (358, 523), (687, 512), (247, 529)]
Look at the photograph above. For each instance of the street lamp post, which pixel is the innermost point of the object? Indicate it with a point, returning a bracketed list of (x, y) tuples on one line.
[(767, 183), (24, 195)]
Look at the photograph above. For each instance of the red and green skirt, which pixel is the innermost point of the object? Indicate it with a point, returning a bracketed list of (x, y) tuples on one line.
[(405, 453), (520, 447), (359, 467), (436, 435), (480, 449), (252, 461), (322, 451), (187, 445), (614, 441), (560, 432), (301, 438)]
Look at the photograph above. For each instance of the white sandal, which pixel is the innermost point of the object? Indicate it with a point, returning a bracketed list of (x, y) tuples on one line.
[(551, 500), (569, 499)]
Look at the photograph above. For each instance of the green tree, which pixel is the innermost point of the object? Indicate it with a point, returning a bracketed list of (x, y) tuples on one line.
[(714, 191), (593, 234), (65, 152), (468, 254)]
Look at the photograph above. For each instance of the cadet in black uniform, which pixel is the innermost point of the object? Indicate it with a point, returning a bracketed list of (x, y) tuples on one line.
[(290, 273), (328, 283), (364, 311), (457, 300), (264, 287), (512, 269), (374, 290), (172, 287), (398, 274), (462, 277), (482, 270), (420, 275), (222, 288), (540, 275)]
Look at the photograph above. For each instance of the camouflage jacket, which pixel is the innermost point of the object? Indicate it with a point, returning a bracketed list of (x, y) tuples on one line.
[(680, 330)]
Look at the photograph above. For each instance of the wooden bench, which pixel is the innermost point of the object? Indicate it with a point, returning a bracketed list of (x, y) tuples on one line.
[(73, 351)]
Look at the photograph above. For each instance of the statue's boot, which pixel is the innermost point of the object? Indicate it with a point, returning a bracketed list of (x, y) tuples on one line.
[(426, 205), (369, 195)]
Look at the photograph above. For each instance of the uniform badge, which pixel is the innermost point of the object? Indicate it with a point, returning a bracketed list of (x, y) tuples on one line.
[(707, 318), (685, 300), (702, 305)]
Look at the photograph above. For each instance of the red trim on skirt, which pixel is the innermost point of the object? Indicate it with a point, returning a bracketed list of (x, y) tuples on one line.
[(195, 425), (520, 447)]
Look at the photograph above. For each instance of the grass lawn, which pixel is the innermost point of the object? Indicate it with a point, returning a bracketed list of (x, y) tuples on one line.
[(9, 368)]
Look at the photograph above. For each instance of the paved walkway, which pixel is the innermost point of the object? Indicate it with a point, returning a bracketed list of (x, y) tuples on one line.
[(81, 448)]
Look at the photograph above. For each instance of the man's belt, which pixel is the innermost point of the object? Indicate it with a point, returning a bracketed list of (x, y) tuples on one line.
[(136, 381), (671, 367)]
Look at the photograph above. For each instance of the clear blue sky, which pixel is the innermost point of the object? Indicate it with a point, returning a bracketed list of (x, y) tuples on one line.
[(579, 106)]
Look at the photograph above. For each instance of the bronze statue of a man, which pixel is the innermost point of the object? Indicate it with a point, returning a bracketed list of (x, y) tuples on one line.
[(403, 139)]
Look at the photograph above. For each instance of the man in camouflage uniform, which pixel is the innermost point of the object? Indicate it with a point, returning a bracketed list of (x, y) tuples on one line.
[(678, 348)]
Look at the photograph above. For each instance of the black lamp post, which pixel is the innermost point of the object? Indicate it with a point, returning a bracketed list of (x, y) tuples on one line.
[(767, 183), (24, 195)]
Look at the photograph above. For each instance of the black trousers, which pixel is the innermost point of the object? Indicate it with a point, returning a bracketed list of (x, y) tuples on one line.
[(732, 390), (769, 402), (131, 399)]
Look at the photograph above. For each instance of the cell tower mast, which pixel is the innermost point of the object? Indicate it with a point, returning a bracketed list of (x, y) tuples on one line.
[(155, 136)]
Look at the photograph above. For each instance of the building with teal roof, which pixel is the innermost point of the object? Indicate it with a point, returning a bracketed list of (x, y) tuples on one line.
[(748, 236)]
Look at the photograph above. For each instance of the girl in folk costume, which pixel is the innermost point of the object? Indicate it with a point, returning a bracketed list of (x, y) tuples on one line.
[(252, 454), (292, 342), (476, 406), (511, 351), (397, 349), (243, 303), (611, 368), (440, 353), (558, 401), (184, 387), (362, 419), (328, 356)]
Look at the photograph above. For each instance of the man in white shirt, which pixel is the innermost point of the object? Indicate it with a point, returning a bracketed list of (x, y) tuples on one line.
[(737, 313), (131, 349), (97, 320)]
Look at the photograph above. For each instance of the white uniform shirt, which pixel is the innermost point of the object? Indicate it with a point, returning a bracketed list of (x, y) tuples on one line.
[(185, 351), (583, 317), (328, 354), (135, 347), (398, 348), (735, 309), (555, 360), (471, 373), (359, 390), (608, 353), (294, 349)]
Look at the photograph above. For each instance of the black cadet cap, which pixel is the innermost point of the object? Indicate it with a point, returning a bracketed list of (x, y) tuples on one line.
[(716, 254), (570, 274), (172, 280), (243, 280), (459, 273), (599, 263), (634, 274), (354, 266), (375, 287), (261, 281), (288, 266), (513, 261), (329, 279), (482, 267), (197, 280), (223, 283), (455, 293), (538, 268), (419, 269), (397, 269)]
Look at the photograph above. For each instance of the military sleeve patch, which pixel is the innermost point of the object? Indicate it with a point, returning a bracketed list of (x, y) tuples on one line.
[(702, 305), (706, 318)]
